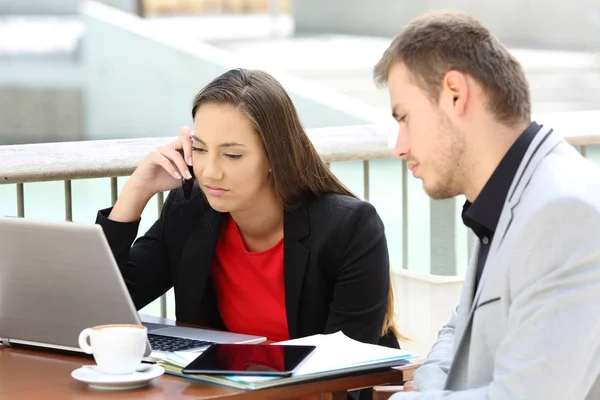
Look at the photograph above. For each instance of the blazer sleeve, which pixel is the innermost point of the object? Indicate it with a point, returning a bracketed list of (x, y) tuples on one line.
[(145, 265), (551, 344), (432, 375), (362, 281)]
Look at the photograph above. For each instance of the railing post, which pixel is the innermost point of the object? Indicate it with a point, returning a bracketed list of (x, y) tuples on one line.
[(114, 190), (20, 200), (404, 215), (68, 201), (442, 217), (160, 200), (366, 185)]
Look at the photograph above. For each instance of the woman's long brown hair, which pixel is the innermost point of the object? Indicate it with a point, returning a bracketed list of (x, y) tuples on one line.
[(299, 174)]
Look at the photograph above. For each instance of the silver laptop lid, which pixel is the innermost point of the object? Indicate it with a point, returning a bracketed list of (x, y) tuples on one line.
[(57, 278)]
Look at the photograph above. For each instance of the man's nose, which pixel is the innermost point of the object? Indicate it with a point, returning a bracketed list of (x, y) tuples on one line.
[(401, 148)]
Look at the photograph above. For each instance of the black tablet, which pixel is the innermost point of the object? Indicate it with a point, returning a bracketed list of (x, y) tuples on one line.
[(249, 359)]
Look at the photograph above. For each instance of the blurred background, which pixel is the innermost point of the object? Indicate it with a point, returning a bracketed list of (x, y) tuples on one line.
[(113, 69)]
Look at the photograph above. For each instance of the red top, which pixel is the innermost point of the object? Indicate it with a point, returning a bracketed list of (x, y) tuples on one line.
[(249, 285)]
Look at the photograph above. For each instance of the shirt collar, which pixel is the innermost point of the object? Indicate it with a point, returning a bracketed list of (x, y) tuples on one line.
[(483, 214)]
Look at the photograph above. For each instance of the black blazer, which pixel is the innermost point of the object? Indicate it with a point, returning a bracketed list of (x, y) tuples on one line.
[(336, 265)]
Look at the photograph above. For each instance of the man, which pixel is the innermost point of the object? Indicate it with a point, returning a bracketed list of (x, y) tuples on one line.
[(528, 322)]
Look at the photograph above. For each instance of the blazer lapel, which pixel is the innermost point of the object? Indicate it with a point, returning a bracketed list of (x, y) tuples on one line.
[(295, 255), (543, 143), (466, 299), (468, 292), (194, 267)]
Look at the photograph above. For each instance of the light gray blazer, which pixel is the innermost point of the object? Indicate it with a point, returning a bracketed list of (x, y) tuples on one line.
[(532, 330)]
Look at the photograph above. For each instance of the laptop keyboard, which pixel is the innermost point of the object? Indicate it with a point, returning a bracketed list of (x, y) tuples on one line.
[(167, 343)]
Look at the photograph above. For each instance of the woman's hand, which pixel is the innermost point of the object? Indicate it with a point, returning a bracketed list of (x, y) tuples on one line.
[(165, 166), (162, 170)]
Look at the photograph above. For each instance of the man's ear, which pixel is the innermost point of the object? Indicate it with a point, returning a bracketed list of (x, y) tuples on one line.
[(455, 93)]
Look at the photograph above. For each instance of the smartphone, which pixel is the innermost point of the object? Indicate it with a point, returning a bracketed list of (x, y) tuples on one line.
[(188, 184)]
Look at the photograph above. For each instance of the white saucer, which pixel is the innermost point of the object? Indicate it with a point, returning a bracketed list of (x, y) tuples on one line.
[(99, 380)]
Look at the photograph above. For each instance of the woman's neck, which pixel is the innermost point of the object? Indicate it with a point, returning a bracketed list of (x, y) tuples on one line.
[(261, 226)]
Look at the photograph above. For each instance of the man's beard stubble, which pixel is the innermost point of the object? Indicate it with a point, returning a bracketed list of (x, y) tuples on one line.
[(449, 163)]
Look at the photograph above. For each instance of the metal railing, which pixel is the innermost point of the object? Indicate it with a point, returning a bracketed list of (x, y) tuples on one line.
[(22, 164)]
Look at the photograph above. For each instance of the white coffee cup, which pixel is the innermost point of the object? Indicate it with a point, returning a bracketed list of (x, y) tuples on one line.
[(117, 349)]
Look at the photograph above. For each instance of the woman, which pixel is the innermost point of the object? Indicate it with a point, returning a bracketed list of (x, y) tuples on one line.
[(269, 242)]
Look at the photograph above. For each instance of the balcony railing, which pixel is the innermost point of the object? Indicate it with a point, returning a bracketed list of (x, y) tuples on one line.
[(20, 164), (24, 164)]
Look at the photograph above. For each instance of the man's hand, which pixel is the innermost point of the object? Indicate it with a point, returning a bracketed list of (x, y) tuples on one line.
[(410, 386)]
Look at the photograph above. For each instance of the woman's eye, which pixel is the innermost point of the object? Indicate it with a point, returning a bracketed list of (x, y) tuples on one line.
[(198, 149), (233, 156)]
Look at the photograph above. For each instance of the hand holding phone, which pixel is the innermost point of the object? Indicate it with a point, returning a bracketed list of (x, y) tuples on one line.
[(188, 184)]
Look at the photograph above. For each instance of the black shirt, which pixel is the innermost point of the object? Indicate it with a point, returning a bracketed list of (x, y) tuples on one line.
[(483, 214)]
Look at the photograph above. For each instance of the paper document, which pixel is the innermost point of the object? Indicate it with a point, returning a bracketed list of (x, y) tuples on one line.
[(338, 351), (334, 354), (335, 351)]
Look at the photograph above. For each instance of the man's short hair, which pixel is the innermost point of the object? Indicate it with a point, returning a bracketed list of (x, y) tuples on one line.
[(438, 42)]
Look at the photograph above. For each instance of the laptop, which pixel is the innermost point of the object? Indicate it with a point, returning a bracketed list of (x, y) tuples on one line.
[(57, 278)]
